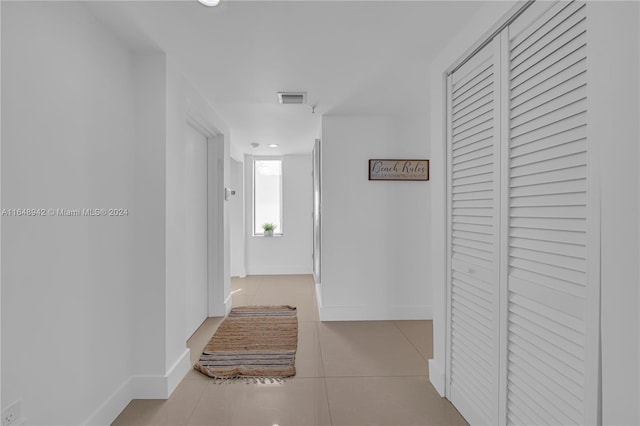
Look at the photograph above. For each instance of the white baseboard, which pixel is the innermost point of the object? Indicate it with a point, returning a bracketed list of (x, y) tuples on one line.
[(220, 309), (279, 270), (374, 313), (242, 273), (178, 370), (319, 296), (112, 407), (437, 377), (227, 305), (140, 387)]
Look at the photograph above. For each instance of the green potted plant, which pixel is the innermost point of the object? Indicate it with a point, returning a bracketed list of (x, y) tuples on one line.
[(268, 229)]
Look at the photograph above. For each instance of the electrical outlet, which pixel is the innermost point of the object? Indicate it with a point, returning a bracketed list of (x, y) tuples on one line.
[(11, 415)]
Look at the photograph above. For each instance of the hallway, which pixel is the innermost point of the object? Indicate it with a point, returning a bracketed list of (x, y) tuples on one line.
[(348, 373)]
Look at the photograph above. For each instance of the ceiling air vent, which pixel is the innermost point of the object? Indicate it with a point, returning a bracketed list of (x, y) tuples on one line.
[(292, 98)]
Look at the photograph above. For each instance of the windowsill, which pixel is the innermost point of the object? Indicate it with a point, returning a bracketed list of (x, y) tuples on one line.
[(264, 236)]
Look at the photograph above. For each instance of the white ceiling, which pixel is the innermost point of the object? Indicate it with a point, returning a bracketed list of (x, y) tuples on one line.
[(352, 57)]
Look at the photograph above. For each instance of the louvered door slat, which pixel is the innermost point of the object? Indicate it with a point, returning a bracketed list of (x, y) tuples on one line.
[(474, 179), (551, 130), (471, 99), (461, 113), (554, 163), (472, 203), (558, 18), (475, 285), (550, 336), (571, 89), (526, 411), (544, 287), (565, 35), (551, 259), (573, 322), (473, 243), (476, 166), (537, 15), (547, 230), (539, 120), (569, 45), (478, 195), (539, 107), (476, 229), (572, 174), (471, 147), (537, 400), (572, 250), (473, 138), (551, 381), (566, 199), (560, 404), (534, 355), (474, 114), (480, 377), (548, 152), (573, 335), (556, 74), (470, 121), (468, 80), (482, 126), (561, 187), (466, 156)]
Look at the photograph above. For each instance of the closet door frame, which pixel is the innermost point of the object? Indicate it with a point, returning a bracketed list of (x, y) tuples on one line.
[(593, 385), (593, 380), (503, 69)]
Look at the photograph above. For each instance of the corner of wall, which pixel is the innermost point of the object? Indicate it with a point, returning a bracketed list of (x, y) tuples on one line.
[(140, 387), (437, 377), (112, 407)]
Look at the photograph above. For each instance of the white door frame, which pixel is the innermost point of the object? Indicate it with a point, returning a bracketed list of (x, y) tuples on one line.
[(215, 202), (196, 192)]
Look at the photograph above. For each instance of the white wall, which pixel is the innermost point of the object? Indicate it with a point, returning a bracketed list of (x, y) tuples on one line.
[(149, 219), (289, 253), (375, 236), (237, 220), (93, 308), (68, 141), (613, 108)]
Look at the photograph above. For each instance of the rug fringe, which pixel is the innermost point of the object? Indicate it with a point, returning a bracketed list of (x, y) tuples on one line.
[(248, 380)]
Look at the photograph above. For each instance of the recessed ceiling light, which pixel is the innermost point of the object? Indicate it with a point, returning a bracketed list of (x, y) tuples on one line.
[(273, 145), (210, 2)]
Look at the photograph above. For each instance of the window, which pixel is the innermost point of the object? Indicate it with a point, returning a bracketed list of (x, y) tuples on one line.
[(267, 194)]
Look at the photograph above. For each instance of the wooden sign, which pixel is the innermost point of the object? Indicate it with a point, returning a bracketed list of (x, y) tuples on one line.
[(399, 170)]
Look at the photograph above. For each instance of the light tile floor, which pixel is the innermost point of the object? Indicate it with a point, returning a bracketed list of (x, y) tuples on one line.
[(348, 373)]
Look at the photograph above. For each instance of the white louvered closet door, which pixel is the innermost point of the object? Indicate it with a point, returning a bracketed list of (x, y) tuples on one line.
[(548, 286), (523, 322), (473, 241)]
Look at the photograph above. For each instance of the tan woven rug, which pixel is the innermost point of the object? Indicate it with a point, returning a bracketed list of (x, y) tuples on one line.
[(253, 342)]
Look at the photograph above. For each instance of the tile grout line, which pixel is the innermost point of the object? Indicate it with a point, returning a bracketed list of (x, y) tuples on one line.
[(324, 372), (411, 343), (377, 376), (193, 410)]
